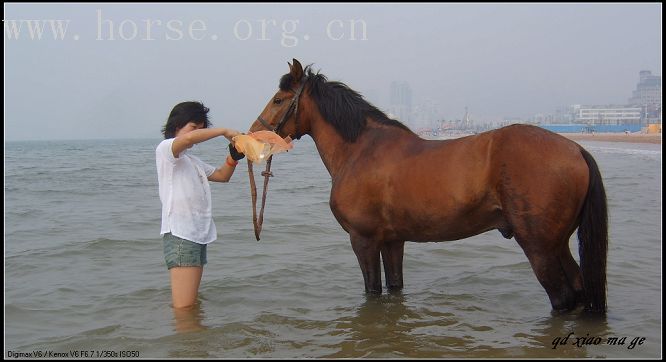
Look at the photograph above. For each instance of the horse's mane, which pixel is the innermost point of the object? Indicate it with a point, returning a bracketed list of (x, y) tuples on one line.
[(342, 107)]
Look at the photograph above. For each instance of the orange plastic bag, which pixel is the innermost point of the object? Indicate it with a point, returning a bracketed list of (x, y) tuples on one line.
[(260, 145)]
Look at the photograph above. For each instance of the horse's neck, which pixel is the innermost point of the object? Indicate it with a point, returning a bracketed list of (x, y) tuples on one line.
[(333, 150), (337, 153)]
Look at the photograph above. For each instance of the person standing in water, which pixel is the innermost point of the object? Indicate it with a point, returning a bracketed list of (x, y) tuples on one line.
[(187, 220)]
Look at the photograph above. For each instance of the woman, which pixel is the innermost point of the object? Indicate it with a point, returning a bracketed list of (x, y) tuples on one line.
[(187, 220)]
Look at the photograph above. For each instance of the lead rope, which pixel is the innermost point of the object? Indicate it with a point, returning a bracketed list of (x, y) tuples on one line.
[(253, 188)]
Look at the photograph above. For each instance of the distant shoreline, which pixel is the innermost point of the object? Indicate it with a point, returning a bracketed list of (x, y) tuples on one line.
[(654, 138)]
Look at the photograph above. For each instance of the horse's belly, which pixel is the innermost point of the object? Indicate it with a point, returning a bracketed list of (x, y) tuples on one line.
[(448, 226), (444, 235)]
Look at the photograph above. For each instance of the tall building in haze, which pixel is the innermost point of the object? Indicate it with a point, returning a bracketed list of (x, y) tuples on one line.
[(647, 96), (400, 105)]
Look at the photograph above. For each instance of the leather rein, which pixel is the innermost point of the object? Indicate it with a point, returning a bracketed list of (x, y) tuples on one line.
[(292, 109)]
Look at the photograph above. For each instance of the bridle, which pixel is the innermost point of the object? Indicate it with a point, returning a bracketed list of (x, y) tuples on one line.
[(292, 109)]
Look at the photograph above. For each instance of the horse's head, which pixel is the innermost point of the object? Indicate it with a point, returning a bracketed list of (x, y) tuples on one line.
[(282, 114)]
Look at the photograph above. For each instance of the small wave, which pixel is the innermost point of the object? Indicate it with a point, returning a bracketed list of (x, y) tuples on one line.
[(23, 213), (83, 247), (103, 331), (16, 310)]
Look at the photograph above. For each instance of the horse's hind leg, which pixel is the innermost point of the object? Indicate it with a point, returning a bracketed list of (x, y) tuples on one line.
[(367, 253), (572, 271), (392, 253), (550, 271)]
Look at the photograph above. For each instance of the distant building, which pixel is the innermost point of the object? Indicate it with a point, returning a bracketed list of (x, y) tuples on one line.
[(607, 115), (401, 101), (647, 96), (648, 90), (426, 114), (643, 108), (467, 121)]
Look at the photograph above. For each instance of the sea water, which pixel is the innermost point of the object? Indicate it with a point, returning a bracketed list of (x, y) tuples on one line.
[(85, 275)]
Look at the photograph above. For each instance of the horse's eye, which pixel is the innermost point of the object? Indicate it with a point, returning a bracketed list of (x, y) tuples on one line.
[(277, 101)]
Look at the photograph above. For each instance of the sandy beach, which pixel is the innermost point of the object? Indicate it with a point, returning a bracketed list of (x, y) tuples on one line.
[(616, 137)]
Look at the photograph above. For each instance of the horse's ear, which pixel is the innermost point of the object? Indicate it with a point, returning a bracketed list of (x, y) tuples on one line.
[(296, 70)]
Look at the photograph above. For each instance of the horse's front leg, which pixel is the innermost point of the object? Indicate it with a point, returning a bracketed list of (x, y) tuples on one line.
[(367, 253), (392, 258)]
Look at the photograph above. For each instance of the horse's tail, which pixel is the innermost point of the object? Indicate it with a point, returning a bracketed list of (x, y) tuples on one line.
[(593, 239)]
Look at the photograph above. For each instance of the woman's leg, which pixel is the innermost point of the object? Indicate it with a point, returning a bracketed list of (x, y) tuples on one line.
[(188, 319), (185, 285)]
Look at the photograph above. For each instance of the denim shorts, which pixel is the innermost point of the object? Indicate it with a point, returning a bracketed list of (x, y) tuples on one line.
[(181, 252)]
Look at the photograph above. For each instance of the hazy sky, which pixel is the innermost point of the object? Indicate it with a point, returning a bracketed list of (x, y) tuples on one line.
[(119, 68)]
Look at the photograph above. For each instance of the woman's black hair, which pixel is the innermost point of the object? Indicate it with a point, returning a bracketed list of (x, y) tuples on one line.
[(184, 113)]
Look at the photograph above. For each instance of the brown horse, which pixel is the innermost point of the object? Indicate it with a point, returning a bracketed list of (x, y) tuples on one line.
[(390, 186)]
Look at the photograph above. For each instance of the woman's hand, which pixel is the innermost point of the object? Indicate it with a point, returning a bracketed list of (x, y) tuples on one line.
[(231, 133), (234, 153)]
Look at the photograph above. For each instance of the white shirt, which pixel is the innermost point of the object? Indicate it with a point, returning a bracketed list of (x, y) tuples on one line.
[(185, 195)]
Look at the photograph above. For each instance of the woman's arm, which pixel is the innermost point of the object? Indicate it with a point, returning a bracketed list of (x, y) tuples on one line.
[(181, 143), (224, 172)]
